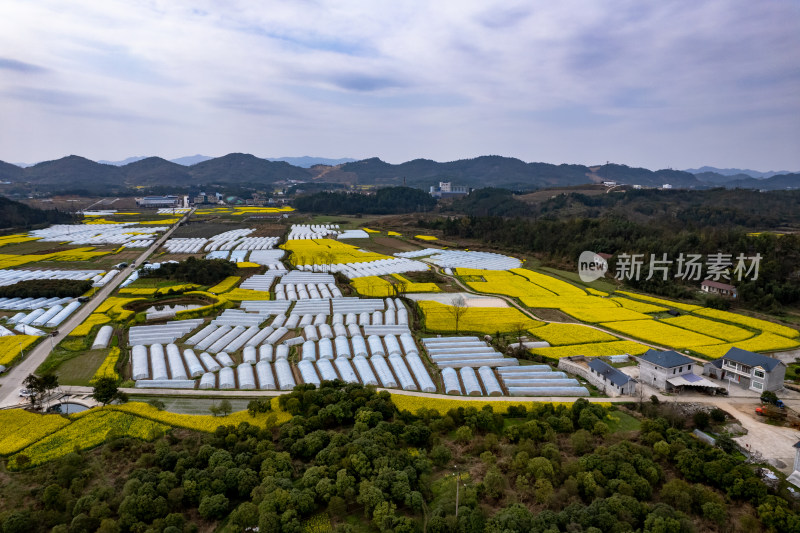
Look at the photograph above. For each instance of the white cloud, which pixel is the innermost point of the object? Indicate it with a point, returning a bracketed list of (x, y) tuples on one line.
[(653, 84)]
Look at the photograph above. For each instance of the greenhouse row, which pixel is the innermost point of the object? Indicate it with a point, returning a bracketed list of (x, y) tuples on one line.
[(97, 234), (381, 267), (302, 231), (11, 276)]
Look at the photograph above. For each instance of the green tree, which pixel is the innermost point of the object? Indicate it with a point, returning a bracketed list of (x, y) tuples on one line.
[(213, 507), (106, 391)]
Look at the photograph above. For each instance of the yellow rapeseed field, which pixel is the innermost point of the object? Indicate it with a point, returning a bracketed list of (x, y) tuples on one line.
[(716, 329), (426, 237), (562, 334), (749, 322), (407, 285), (604, 314), (224, 285), (86, 326), (660, 301), (763, 342), (22, 428), (238, 295), (16, 239), (592, 349), (327, 252), (373, 287), (661, 334), (11, 345), (490, 320), (108, 368), (641, 307), (413, 404)]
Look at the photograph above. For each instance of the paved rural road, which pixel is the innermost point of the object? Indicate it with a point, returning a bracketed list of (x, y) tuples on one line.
[(11, 382)]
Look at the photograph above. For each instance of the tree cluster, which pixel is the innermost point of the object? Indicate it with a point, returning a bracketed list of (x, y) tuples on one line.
[(390, 200), (46, 288), (349, 454), (18, 215), (193, 270)]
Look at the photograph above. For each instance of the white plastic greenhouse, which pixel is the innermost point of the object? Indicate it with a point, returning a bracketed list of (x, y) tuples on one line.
[(195, 368), (451, 383), (345, 370), (402, 373), (213, 337), (226, 378), (342, 347), (326, 370), (209, 362), (309, 351), (103, 338), (470, 381), (384, 373), (265, 352), (225, 359), (157, 362), (376, 346), (283, 373), (421, 373), (249, 355), (282, 352), (490, 382), (208, 381), (139, 358), (359, 346), (308, 373), (247, 379), (266, 380), (176, 368), (325, 349)]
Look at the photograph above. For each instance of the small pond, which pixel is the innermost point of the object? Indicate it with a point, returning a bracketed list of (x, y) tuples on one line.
[(166, 311), (67, 408)]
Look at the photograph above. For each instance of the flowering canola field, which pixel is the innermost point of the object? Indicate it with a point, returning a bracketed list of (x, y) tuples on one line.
[(42, 438), (490, 320), (715, 329), (91, 321), (592, 349), (661, 333), (749, 322), (108, 368), (224, 285), (327, 252), (562, 334), (21, 428), (413, 404), (11, 345)]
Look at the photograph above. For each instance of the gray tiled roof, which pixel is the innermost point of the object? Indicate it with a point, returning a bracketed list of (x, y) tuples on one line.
[(614, 375), (751, 359), (668, 359)]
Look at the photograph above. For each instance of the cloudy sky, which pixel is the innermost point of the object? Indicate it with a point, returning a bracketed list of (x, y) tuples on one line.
[(657, 84)]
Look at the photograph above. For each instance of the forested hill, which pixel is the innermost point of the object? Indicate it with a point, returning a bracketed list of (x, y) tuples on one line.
[(17, 215), (74, 172)]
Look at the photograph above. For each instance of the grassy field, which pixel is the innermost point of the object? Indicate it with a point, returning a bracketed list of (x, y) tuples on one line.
[(621, 421), (80, 370), (191, 406)]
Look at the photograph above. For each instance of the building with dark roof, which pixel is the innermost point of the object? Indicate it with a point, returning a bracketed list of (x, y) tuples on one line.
[(748, 370), (670, 371), (716, 287), (611, 378)]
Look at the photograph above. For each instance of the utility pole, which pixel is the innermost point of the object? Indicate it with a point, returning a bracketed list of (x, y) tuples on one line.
[(458, 480)]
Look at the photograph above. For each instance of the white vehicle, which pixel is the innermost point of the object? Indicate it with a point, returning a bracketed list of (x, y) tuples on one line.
[(25, 393)]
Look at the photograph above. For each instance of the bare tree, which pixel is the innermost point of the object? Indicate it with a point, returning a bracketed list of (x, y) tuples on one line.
[(458, 308)]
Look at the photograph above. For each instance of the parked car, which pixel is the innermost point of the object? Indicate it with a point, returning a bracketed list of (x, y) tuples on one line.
[(25, 393)]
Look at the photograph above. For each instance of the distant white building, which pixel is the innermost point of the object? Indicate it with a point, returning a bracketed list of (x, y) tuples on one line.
[(159, 201), (448, 190), (666, 186), (610, 183)]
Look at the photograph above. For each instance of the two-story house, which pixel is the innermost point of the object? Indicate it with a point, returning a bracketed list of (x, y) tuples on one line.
[(749, 370), (670, 371)]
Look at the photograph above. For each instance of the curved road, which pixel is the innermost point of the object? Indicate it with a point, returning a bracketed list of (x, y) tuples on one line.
[(12, 380)]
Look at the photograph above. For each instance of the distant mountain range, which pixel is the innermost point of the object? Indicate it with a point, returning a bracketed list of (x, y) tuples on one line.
[(737, 172), (191, 173), (189, 160)]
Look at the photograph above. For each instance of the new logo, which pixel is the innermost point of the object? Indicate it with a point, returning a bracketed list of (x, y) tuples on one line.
[(591, 266)]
